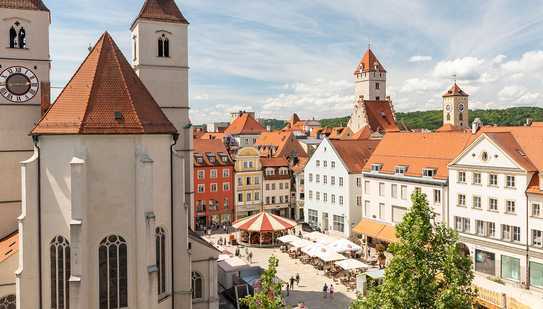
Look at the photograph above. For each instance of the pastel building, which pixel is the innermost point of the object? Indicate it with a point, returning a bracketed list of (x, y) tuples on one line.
[(248, 182)]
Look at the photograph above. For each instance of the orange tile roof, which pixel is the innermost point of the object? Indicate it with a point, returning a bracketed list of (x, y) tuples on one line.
[(105, 96), (244, 124), (507, 142), (363, 133), (455, 91), (534, 186), (161, 10), (449, 127), (284, 144), (418, 151), (369, 63), (300, 165), (274, 162), (206, 148), (9, 245), (35, 5), (212, 135), (354, 153), (381, 116)]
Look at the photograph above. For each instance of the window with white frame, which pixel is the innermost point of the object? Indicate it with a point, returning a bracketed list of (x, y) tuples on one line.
[(317, 178), (341, 181), (338, 223), (248, 196), (381, 189), (536, 210), (510, 232), (213, 173), (381, 211), (437, 196), (461, 177), (160, 245), (113, 273), (214, 187), (429, 172), (197, 285), (358, 200), (394, 190), (201, 174), (318, 196), (367, 187), (476, 202), (510, 181), (60, 273), (400, 169), (461, 200), (333, 180), (201, 188), (462, 224), (493, 180), (367, 205), (257, 196), (324, 163), (376, 167), (493, 204), (312, 216), (226, 186), (537, 238), (324, 179), (333, 198), (358, 182), (341, 200), (510, 206), (480, 227), (476, 179), (310, 195), (403, 192), (310, 177), (332, 164), (225, 173), (318, 163), (325, 197)]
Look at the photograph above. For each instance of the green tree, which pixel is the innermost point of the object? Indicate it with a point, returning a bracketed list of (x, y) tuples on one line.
[(268, 296), (428, 268)]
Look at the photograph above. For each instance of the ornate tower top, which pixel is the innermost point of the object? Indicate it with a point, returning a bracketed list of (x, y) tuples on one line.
[(455, 108), (455, 91), (369, 63)]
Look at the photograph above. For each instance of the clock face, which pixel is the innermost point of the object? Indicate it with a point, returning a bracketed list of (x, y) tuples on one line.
[(461, 107), (448, 107), (18, 84)]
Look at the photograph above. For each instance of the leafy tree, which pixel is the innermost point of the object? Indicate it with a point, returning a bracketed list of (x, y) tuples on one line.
[(428, 268), (268, 296)]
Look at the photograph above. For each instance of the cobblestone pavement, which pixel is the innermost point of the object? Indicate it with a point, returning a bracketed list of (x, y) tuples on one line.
[(311, 279)]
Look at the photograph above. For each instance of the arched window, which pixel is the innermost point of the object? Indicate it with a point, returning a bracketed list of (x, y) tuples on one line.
[(113, 273), (160, 243), (448, 116), (22, 38), (166, 47), (197, 285), (160, 47), (8, 302), (163, 46), (12, 37), (60, 273), (461, 117)]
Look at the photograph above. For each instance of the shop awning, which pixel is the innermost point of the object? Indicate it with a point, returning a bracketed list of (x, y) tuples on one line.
[(375, 229)]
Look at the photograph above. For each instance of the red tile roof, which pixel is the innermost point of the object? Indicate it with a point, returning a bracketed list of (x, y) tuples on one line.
[(9, 245), (455, 91), (364, 133), (534, 186), (418, 151), (105, 96), (274, 162), (161, 10), (507, 142), (369, 63), (354, 153), (244, 124), (284, 144), (214, 148), (449, 127), (35, 5), (381, 116)]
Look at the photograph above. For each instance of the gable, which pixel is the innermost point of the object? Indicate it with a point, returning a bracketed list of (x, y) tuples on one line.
[(496, 157), (326, 151)]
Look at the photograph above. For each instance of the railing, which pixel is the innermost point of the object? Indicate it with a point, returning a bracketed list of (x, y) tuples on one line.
[(499, 300)]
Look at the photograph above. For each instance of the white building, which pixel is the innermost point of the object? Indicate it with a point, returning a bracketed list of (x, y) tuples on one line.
[(493, 206), (333, 184)]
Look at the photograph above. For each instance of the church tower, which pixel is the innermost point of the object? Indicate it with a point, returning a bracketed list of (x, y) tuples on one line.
[(24, 91), (160, 59), (370, 78), (455, 107)]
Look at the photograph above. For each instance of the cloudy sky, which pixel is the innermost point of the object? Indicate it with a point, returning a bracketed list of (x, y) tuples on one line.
[(279, 57)]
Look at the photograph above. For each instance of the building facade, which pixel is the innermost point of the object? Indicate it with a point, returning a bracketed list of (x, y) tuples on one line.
[(276, 186), (333, 184), (214, 183), (455, 107), (248, 186), (245, 129)]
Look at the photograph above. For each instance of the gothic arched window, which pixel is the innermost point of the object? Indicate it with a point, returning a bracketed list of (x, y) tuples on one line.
[(160, 243), (166, 47), (60, 273), (22, 38), (113, 273), (448, 116), (160, 47), (8, 302), (197, 285), (163, 46), (12, 37)]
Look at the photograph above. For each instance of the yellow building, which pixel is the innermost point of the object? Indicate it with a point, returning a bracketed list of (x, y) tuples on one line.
[(248, 192)]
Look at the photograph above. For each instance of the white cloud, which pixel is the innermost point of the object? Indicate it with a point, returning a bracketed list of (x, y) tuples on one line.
[(531, 61), (420, 58), (519, 95), (499, 59), (468, 68), (421, 85)]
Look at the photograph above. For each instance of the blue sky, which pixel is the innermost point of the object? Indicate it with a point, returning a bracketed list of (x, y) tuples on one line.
[(279, 57)]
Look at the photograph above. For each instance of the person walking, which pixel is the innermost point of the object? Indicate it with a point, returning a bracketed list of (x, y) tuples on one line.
[(250, 256), (331, 289), (288, 289), (298, 279), (324, 291), (292, 282)]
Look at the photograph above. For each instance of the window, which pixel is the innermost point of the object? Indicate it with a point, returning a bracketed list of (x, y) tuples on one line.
[(485, 262), (491, 229), (17, 36), (536, 274), (324, 163), (367, 187), (428, 172), (325, 197), (247, 180), (113, 273), (310, 177), (225, 203), (324, 179), (510, 233), (510, 268), (201, 188), (160, 246), (333, 164), (317, 178), (341, 181), (461, 200), (213, 187), (318, 163), (377, 86), (313, 216), (400, 169), (163, 46), (437, 196), (536, 210), (358, 182), (318, 196), (479, 227), (537, 238), (280, 186), (462, 224), (333, 198), (249, 196), (333, 180), (226, 186), (225, 173), (257, 180), (394, 190), (213, 173), (476, 202), (367, 205), (358, 200), (376, 167), (201, 174), (197, 285), (60, 273), (267, 200), (476, 178), (381, 189), (492, 180), (8, 302), (403, 192), (510, 207), (381, 210), (339, 224), (341, 200), (240, 197), (492, 204), (310, 195), (462, 177), (510, 181)]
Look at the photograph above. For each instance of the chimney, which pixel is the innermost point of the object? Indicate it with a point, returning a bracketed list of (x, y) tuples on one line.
[(528, 122), (476, 125)]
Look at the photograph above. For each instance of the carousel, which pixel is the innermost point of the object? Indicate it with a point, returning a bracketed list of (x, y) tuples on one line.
[(262, 229)]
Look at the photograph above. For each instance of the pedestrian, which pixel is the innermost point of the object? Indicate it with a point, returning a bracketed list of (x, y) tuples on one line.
[(288, 289), (246, 251), (324, 291), (237, 251), (298, 279), (250, 257), (292, 282), (331, 289)]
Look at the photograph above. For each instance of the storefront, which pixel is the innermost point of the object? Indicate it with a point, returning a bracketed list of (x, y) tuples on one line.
[(510, 268), (536, 274), (485, 262)]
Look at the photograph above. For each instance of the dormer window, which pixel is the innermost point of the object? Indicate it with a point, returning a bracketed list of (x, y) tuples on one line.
[(376, 167), (200, 160), (400, 169), (163, 46), (270, 172), (429, 172)]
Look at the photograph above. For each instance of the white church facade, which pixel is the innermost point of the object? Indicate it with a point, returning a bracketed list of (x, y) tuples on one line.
[(103, 220)]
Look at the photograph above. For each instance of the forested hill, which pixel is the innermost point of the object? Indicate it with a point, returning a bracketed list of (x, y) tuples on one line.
[(432, 120)]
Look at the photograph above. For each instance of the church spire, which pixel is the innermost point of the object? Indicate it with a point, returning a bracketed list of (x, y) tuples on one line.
[(161, 10), (369, 63)]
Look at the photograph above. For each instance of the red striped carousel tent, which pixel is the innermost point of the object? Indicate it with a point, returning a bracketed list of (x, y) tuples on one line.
[(264, 222)]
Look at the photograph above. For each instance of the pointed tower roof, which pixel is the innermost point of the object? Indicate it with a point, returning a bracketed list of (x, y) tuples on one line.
[(455, 91), (105, 96), (161, 10), (369, 63), (35, 5)]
